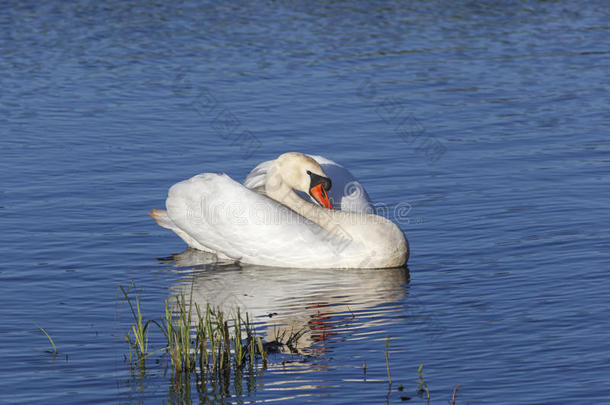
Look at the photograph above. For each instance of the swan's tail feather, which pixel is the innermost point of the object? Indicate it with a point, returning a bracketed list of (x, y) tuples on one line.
[(162, 218)]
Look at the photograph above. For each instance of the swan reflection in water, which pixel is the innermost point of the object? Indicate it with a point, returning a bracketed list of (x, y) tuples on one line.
[(319, 303)]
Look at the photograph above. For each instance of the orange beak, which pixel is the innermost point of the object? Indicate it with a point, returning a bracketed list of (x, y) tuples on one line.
[(319, 193)]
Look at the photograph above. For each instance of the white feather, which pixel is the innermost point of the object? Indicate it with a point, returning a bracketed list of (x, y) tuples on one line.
[(213, 213)]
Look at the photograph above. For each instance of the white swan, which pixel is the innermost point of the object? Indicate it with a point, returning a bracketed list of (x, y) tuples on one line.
[(270, 224)]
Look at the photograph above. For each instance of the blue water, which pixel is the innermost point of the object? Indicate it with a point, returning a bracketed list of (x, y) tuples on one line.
[(488, 119)]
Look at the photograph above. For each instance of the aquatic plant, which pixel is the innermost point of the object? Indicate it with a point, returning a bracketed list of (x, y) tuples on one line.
[(387, 359), (54, 351), (287, 339), (422, 387), (139, 343), (206, 341), (457, 387), (177, 331)]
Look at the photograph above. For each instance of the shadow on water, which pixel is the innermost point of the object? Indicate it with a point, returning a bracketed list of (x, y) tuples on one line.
[(318, 303), (321, 307)]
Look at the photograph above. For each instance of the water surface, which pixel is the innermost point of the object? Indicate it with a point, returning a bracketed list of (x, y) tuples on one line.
[(490, 120)]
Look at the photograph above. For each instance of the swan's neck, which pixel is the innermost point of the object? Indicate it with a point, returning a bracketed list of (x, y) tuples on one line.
[(285, 195), (378, 236), (278, 190)]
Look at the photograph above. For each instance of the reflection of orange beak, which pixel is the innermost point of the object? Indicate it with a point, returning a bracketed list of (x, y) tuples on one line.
[(319, 193)]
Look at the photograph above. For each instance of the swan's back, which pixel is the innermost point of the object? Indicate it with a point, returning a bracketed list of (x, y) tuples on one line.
[(245, 226)]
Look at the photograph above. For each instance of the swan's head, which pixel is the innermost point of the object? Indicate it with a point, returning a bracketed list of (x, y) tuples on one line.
[(302, 173)]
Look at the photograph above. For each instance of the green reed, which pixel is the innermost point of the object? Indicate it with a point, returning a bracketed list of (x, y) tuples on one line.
[(422, 387), (54, 351), (387, 359), (139, 344), (205, 340)]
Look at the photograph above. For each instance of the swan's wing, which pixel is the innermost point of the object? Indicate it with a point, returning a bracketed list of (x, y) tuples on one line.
[(256, 178), (236, 222), (346, 193)]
